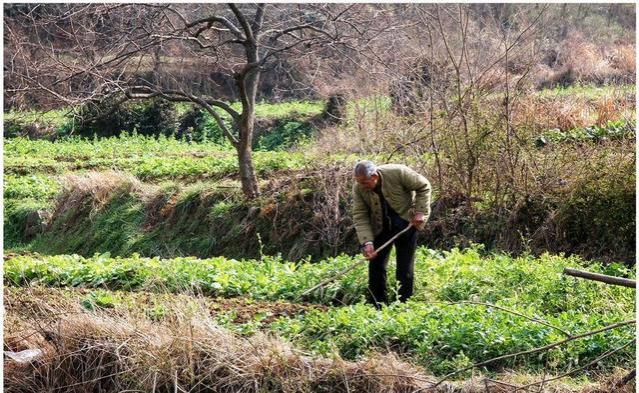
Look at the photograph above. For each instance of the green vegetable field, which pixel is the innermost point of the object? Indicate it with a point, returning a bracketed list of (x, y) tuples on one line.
[(469, 306), (190, 191)]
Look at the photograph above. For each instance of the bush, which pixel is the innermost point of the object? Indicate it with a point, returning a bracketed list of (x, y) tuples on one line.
[(191, 124), (600, 216), (12, 128), (156, 117), (283, 135), (107, 118), (110, 118)]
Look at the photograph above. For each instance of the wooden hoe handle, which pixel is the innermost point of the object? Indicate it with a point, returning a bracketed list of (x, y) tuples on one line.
[(356, 264)]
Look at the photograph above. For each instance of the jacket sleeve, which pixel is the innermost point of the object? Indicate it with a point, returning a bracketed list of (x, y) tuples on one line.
[(362, 218), (418, 183)]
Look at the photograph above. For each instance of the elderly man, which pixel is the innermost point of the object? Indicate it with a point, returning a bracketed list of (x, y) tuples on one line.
[(387, 198)]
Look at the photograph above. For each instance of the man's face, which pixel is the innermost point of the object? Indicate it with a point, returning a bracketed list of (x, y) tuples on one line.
[(367, 183)]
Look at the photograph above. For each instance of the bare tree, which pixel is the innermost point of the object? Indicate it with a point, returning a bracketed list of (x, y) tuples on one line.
[(78, 53), (467, 71)]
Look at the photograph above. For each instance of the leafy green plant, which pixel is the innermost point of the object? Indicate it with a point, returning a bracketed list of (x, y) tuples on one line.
[(100, 299), (156, 312), (284, 135), (221, 208), (33, 186), (146, 157), (613, 130)]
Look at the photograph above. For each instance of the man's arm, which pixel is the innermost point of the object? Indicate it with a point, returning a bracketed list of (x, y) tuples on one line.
[(362, 219), (418, 183)]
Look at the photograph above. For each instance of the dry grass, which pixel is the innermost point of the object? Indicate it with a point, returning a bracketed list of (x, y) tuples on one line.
[(606, 110), (93, 190), (97, 187), (584, 58), (566, 112), (91, 352), (541, 114), (624, 59), (581, 60)]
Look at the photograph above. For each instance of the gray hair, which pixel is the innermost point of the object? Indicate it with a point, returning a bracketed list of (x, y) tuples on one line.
[(365, 168)]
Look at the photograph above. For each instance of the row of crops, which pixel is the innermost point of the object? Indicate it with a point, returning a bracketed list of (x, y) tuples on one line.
[(147, 158), (468, 307)]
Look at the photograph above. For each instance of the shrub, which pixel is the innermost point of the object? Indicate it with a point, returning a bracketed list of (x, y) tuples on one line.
[(600, 215), (106, 118), (284, 134), (156, 117), (110, 117), (12, 127), (191, 124)]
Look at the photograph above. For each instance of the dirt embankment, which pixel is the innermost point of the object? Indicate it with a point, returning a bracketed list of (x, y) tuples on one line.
[(308, 213)]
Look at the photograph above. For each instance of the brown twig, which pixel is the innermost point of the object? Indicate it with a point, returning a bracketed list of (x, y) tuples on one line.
[(510, 385), (632, 374)]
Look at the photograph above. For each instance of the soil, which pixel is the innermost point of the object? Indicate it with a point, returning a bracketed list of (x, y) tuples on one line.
[(12, 255), (40, 301)]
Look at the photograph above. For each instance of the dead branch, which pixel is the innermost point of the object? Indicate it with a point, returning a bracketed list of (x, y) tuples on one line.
[(629, 377), (612, 280)]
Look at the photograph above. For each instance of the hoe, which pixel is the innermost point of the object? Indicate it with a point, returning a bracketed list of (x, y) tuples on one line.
[(353, 266)]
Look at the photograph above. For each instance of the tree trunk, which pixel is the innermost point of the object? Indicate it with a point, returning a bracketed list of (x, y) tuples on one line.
[(563, 31), (247, 83), (247, 171), (245, 153)]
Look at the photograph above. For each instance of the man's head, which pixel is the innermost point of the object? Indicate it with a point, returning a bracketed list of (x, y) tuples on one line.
[(366, 175)]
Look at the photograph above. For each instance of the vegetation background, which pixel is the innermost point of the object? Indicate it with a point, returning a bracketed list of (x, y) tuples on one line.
[(137, 137)]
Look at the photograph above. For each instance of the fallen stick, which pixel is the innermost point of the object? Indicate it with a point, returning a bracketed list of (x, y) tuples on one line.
[(624, 282), (356, 264), (629, 377)]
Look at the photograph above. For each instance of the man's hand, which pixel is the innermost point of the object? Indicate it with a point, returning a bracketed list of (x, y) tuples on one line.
[(418, 220), (369, 251)]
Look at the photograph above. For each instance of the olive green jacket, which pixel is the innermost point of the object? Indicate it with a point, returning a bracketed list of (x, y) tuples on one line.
[(405, 190)]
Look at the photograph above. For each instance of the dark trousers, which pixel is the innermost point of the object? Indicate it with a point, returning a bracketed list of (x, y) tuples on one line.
[(405, 248)]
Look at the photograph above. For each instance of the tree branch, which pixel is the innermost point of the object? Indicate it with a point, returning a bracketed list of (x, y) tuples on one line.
[(259, 19), (612, 280), (280, 33), (245, 25), (630, 376), (218, 19)]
